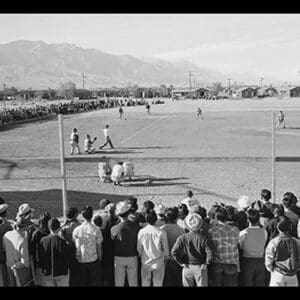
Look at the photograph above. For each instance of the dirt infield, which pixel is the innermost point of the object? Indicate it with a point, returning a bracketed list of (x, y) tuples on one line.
[(220, 157)]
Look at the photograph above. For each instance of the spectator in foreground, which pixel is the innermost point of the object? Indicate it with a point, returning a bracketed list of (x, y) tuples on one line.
[(124, 235), (4, 227), (294, 207), (282, 256), (67, 233), (88, 241), (55, 257), (241, 216), (182, 213), (201, 211), (193, 251), (252, 242), (173, 270), (225, 262), (153, 248), (160, 211), (41, 232), (16, 248), (287, 203)]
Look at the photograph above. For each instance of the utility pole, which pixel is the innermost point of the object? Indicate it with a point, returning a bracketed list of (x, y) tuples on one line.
[(4, 87), (83, 76), (229, 82), (190, 77), (261, 80)]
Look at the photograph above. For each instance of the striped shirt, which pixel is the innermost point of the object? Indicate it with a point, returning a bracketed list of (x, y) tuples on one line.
[(225, 239)]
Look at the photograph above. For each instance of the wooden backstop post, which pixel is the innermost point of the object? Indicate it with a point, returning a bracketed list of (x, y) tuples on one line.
[(62, 165), (273, 159)]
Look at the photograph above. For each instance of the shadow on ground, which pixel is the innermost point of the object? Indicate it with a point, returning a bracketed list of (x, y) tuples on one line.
[(51, 200), (144, 148), (142, 181)]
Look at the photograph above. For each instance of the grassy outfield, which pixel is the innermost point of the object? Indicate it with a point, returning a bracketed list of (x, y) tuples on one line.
[(220, 157)]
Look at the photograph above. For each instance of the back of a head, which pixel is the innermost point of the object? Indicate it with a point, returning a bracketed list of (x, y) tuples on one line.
[(292, 198), (148, 204), (43, 221), (284, 225), (107, 126), (72, 213), (201, 211), (265, 194), (53, 224), (253, 216), (132, 201), (278, 210), (171, 214), (103, 203), (98, 221), (87, 212), (230, 212), (182, 211), (287, 201), (2, 201), (221, 214), (190, 194), (150, 216)]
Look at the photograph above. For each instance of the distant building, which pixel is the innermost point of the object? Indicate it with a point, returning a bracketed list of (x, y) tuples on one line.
[(27, 94), (83, 94), (184, 93), (267, 92), (245, 92), (288, 91)]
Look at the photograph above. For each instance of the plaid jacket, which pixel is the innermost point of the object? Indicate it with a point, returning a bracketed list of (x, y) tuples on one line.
[(225, 240)]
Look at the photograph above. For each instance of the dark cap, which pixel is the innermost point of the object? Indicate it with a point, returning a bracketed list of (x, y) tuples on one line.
[(103, 203)]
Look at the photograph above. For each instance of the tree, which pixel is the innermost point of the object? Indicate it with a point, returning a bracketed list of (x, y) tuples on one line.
[(67, 89), (216, 87)]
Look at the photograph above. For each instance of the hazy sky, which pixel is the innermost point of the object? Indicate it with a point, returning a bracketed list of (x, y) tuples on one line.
[(267, 45)]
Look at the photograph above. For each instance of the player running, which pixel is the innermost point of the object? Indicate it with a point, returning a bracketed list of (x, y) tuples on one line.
[(121, 112), (281, 120), (107, 138), (199, 113), (148, 108)]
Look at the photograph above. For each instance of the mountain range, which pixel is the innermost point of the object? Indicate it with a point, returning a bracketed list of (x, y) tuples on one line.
[(36, 64)]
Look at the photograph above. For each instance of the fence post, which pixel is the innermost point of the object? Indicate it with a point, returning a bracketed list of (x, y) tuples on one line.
[(62, 165), (273, 159)]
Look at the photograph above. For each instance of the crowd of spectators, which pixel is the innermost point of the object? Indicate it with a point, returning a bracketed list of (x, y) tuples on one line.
[(184, 245), (11, 115)]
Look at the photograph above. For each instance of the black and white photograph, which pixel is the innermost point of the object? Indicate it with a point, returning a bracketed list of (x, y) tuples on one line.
[(149, 150)]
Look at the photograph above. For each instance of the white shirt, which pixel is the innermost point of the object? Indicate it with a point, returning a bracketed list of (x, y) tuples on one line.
[(87, 237), (117, 171), (152, 246), (106, 132), (189, 202)]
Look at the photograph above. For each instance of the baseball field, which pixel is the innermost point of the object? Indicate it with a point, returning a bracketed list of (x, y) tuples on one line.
[(220, 157)]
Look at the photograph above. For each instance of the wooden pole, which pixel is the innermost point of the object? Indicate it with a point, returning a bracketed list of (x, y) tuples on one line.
[(62, 165), (273, 159)]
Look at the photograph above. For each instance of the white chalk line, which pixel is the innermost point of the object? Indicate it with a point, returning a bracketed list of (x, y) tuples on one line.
[(142, 129)]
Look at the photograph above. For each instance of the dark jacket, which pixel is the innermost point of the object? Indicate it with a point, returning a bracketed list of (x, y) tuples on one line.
[(54, 255), (192, 248), (35, 245), (124, 236), (4, 227)]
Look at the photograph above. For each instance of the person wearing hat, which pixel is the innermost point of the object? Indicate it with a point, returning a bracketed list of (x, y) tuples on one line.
[(124, 235), (117, 174), (88, 242), (241, 216), (225, 263), (4, 227), (193, 251), (16, 248), (172, 269), (55, 256), (153, 248), (67, 233), (160, 211)]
